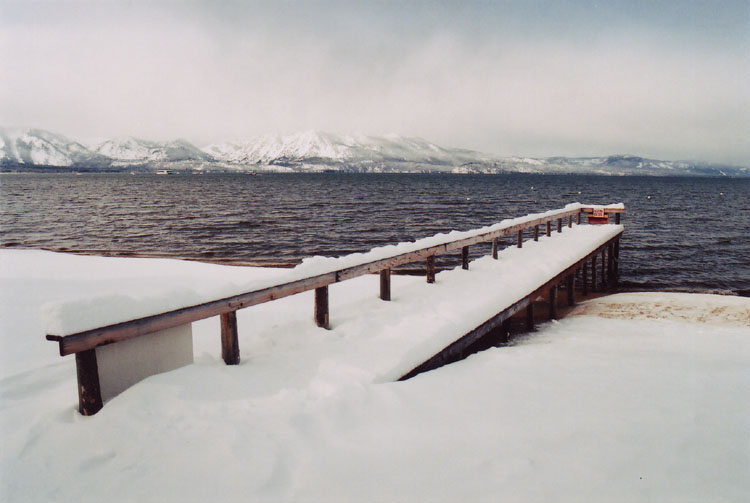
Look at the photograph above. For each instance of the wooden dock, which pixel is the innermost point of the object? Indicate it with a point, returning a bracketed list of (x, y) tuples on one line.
[(164, 341)]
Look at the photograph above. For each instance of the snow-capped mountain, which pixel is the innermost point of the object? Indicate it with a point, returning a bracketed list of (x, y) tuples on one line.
[(358, 152), (36, 147), (128, 150), (32, 149)]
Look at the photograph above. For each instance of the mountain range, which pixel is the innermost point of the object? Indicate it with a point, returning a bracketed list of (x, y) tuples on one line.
[(40, 150)]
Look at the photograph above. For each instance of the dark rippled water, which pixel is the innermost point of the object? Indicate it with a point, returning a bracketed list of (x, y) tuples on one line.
[(681, 233)]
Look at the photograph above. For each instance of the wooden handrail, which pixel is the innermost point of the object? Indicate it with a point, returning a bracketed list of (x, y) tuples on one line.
[(90, 339)]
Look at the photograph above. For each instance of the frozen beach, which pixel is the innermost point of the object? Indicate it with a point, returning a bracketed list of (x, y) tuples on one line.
[(632, 397)]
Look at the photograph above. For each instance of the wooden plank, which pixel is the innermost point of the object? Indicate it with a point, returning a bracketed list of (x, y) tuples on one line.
[(431, 269), (89, 393), (465, 258), (230, 346), (385, 284), (321, 307)]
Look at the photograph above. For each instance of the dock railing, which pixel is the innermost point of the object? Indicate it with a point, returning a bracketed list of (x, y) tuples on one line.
[(84, 344)]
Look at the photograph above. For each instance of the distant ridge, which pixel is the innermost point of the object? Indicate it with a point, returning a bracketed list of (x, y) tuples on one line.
[(40, 150)]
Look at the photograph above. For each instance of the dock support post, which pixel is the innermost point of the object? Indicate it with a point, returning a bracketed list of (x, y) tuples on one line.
[(584, 277), (321, 307), (89, 391), (465, 258), (617, 259), (431, 269), (385, 284), (530, 316), (559, 225), (230, 347), (549, 228), (553, 303), (604, 268), (593, 272), (536, 233), (570, 221), (505, 330), (617, 218), (571, 289), (494, 248), (520, 239), (578, 217)]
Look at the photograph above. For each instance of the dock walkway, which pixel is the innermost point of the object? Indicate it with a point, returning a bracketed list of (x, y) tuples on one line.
[(424, 325)]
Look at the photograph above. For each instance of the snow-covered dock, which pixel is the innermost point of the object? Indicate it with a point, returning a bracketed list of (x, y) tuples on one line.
[(118, 342)]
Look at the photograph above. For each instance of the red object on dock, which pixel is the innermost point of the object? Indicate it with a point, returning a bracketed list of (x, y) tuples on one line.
[(598, 217)]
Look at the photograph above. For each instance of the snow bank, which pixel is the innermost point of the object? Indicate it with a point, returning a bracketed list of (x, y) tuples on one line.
[(586, 409)]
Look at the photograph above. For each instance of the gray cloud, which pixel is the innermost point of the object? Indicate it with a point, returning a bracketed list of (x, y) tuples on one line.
[(663, 80)]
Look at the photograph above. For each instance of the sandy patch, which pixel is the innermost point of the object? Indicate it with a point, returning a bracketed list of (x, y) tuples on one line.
[(688, 307)]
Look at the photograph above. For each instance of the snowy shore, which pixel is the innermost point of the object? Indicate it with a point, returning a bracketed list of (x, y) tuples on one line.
[(634, 397)]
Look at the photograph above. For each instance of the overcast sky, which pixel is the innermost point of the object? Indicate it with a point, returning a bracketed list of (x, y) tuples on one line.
[(662, 79)]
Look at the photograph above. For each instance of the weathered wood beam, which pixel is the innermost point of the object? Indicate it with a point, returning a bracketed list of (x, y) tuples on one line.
[(494, 248), (549, 228), (559, 225), (230, 346), (519, 239), (465, 258), (536, 233)]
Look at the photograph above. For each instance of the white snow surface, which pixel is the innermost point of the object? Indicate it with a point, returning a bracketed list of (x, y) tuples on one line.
[(590, 408)]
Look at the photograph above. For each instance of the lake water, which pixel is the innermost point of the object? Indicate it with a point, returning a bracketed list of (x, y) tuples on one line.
[(687, 234)]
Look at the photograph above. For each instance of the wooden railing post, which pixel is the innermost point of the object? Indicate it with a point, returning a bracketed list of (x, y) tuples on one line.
[(465, 257), (505, 330), (431, 269), (494, 248), (549, 228), (519, 240), (559, 225), (570, 221), (536, 233), (230, 346), (578, 217), (89, 391), (385, 284), (321, 307)]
